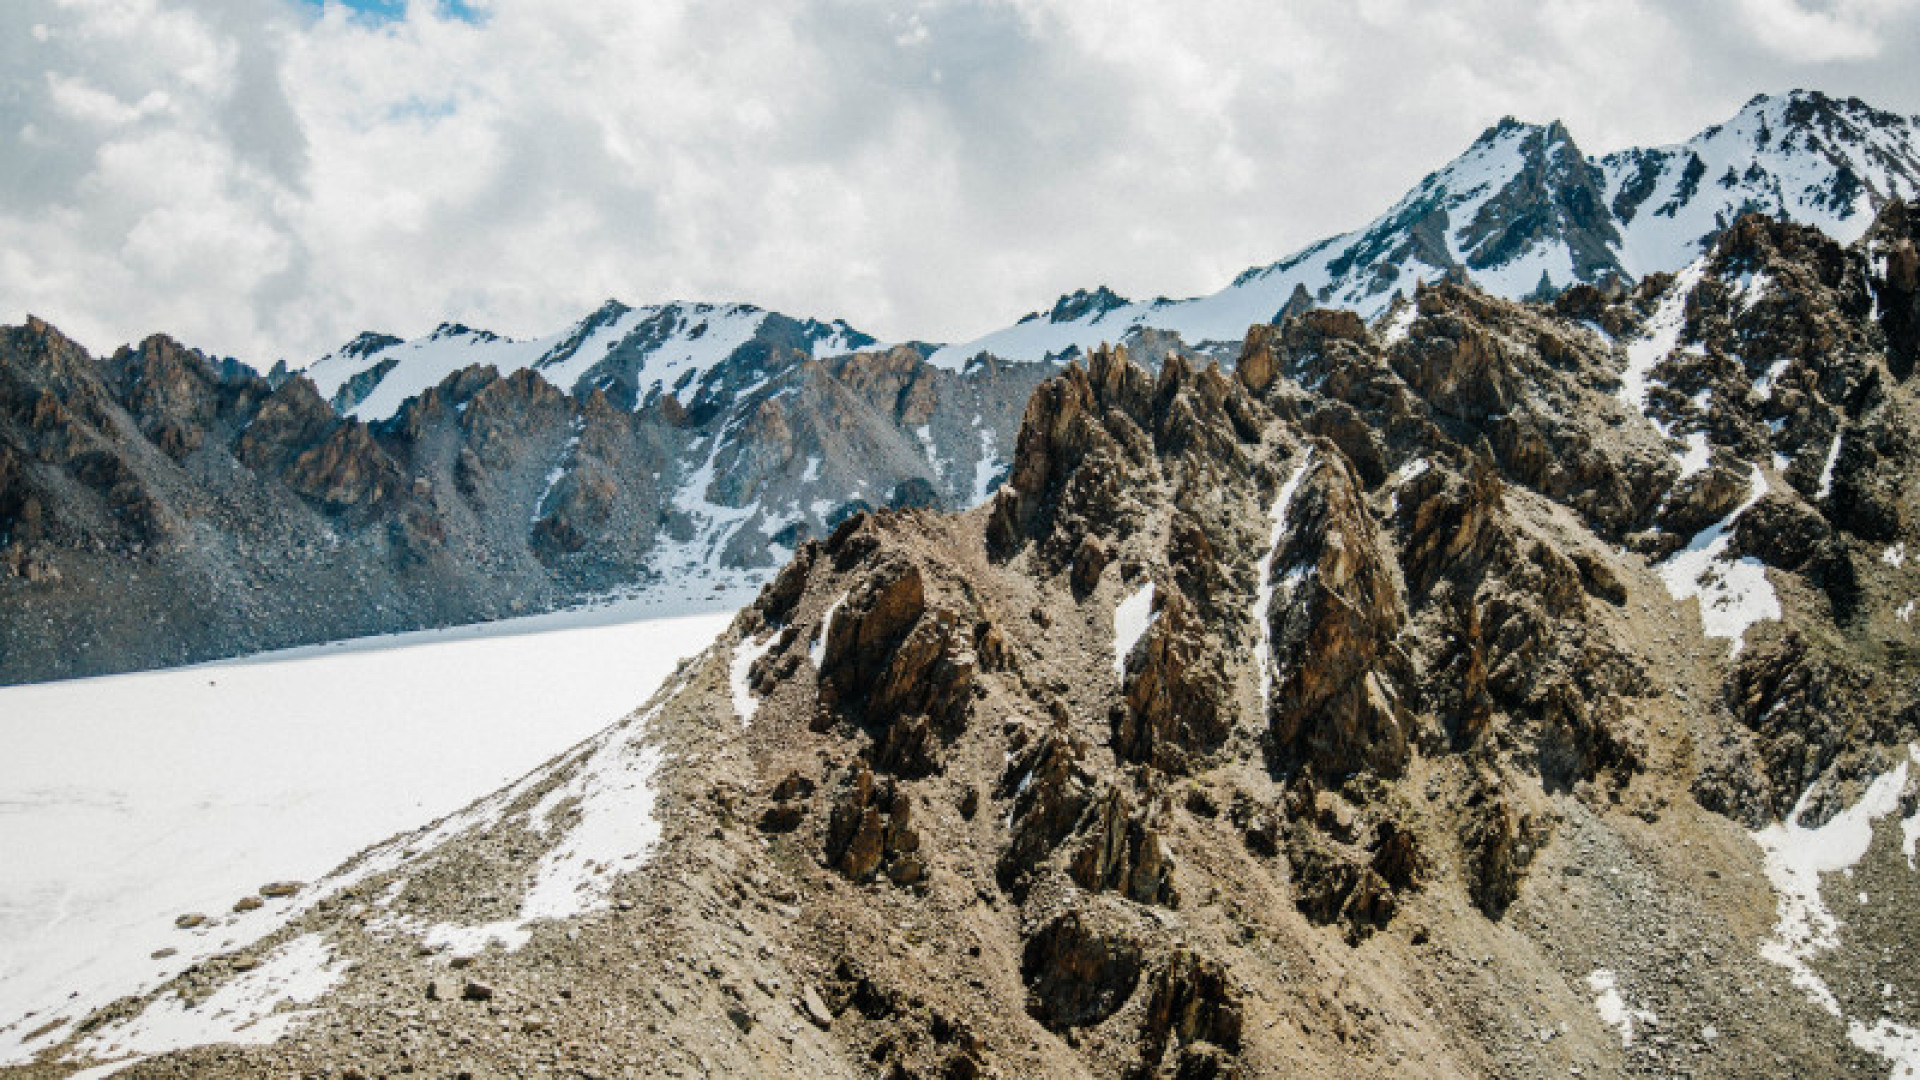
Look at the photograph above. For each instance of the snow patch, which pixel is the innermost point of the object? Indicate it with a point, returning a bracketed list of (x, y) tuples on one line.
[(1765, 383), (1658, 340), (1910, 827), (247, 1009), (1895, 555), (1794, 860), (1734, 593), (1749, 287), (744, 655), (1131, 617), (610, 788), (1277, 531), (1401, 324), (1826, 468), (819, 649), (1698, 455), (1795, 857), (985, 469), (1614, 1010)]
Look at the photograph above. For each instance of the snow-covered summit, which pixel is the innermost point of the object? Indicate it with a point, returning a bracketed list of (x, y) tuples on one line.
[(632, 353), (1524, 211), (1817, 160)]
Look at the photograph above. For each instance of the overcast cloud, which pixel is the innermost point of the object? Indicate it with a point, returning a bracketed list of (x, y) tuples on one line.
[(265, 178)]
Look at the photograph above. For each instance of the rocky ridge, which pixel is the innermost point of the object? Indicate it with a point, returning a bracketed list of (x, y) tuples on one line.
[(161, 507), (1445, 694)]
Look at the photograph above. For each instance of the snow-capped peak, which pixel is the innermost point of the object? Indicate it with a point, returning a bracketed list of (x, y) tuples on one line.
[(633, 353), (1522, 212)]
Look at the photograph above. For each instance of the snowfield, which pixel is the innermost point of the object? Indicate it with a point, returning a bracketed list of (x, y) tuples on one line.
[(129, 801)]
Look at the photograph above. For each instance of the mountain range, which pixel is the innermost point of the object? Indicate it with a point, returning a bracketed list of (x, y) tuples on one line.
[(160, 505), (1495, 689)]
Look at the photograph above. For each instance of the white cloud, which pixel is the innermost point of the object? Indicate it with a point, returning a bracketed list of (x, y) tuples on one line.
[(262, 180), (1839, 30)]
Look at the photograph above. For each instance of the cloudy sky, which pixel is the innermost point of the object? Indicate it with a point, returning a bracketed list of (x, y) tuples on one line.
[(264, 178)]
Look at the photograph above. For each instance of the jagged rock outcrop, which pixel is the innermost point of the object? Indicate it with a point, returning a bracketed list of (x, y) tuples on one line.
[(1123, 852), (901, 667), (1178, 704), (1336, 701), (1195, 1007), (871, 829)]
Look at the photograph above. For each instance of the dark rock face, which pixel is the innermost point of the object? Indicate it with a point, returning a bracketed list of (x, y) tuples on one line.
[(1195, 1006), (1807, 712), (485, 495), (1078, 974), (1896, 288), (1336, 702), (1050, 792), (1501, 843), (1177, 706), (1781, 530)]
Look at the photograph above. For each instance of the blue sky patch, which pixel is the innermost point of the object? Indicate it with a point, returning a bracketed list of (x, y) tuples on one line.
[(394, 10)]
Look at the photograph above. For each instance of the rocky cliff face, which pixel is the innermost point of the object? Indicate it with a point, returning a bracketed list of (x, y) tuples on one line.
[(1399, 701)]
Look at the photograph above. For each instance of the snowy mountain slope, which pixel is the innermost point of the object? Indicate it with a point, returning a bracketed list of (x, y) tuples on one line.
[(1523, 208), (127, 802), (635, 354)]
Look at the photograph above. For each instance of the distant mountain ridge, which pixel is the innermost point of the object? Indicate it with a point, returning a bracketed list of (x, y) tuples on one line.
[(632, 354)]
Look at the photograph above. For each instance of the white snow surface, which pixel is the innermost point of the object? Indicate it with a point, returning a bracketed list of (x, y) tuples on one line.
[(1131, 617), (1263, 598), (1401, 324), (1795, 859), (1697, 456), (1734, 593), (129, 800), (1826, 468), (423, 364), (1658, 339), (1759, 160), (609, 788), (985, 469)]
